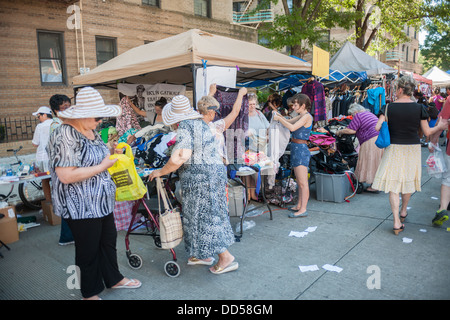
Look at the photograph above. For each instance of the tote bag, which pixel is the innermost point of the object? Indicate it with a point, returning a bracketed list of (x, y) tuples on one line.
[(384, 138), (129, 185), (170, 226)]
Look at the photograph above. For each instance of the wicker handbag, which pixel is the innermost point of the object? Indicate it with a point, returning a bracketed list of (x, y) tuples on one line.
[(170, 227)]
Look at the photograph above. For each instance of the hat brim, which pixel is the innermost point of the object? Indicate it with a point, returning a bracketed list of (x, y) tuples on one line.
[(170, 117), (80, 112)]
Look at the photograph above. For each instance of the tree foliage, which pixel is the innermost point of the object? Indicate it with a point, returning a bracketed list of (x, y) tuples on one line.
[(299, 27), (436, 47), (378, 25)]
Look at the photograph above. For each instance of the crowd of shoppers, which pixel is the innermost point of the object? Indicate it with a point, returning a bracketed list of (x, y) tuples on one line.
[(83, 193)]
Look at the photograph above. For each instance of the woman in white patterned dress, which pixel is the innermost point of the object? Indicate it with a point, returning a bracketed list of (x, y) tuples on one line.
[(203, 178)]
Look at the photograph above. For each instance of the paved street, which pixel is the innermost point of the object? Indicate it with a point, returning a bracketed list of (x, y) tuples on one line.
[(355, 236)]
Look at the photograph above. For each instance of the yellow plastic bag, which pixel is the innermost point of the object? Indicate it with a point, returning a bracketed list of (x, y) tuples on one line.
[(129, 185)]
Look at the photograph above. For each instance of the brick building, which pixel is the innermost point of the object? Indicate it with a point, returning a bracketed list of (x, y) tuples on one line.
[(42, 50)]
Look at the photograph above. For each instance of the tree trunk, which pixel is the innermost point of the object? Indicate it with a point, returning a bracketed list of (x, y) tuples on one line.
[(297, 51)]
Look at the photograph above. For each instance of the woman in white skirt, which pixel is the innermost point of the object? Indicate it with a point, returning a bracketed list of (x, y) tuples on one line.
[(400, 169), (369, 157)]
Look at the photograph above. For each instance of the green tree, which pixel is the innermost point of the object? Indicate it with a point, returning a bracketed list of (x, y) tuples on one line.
[(378, 24), (300, 25), (436, 47), (382, 24)]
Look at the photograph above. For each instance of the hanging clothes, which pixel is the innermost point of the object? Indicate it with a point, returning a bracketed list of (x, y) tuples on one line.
[(374, 97), (279, 137), (226, 98), (128, 119), (316, 93)]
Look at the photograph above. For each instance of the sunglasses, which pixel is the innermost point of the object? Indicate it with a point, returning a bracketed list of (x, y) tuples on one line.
[(215, 108), (98, 119)]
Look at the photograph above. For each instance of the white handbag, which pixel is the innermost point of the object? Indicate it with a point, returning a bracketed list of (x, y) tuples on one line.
[(170, 226)]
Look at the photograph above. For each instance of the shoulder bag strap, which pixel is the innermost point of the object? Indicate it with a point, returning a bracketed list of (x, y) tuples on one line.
[(163, 195)]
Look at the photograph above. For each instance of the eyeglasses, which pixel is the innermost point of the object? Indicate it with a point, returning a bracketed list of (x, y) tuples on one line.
[(98, 119), (215, 108)]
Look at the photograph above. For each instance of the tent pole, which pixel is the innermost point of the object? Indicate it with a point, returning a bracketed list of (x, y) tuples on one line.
[(194, 77)]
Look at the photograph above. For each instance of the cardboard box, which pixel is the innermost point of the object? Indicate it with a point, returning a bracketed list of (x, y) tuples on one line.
[(8, 225), (49, 215)]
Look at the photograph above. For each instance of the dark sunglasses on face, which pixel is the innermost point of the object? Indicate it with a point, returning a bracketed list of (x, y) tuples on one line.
[(98, 119), (215, 108)]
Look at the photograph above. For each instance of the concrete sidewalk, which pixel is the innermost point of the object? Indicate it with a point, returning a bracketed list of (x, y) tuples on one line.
[(355, 236)]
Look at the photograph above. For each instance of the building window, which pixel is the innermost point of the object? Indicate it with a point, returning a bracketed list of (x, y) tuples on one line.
[(414, 55), (106, 49), (51, 58), (202, 8), (407, 54), (239, 6), (154, 3)]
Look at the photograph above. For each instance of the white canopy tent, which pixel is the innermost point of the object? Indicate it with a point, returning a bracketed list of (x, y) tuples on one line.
[(350, 58), (439, 77)]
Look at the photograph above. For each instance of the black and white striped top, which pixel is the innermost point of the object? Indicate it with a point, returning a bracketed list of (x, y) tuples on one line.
[(91, 198)]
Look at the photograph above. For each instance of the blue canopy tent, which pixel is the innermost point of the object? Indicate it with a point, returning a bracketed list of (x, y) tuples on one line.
[(295, 80)]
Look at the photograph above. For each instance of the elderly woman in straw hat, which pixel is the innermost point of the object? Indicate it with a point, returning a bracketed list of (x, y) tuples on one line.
[(84, 193), (203, 181)]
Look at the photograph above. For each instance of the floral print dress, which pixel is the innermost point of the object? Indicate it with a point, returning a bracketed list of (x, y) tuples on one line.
[(203, 179)]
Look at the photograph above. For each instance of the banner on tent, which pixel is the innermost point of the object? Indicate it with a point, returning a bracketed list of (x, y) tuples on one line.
[(320, 63), (144, 96)]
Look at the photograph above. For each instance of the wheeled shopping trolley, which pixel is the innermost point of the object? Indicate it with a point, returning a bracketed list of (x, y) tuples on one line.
[(150, 221)]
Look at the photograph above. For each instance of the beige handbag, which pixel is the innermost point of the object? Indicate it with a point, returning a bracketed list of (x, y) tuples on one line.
[(170, 227)]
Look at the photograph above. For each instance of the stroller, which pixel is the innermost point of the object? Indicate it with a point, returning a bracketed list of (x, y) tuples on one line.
[(150, 221)]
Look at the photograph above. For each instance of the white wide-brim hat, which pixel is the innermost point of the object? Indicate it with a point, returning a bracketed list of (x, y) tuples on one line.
[(177, 110), (90, 104)]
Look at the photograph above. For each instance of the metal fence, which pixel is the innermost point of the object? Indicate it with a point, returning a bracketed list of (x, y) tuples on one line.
[(15, 129)]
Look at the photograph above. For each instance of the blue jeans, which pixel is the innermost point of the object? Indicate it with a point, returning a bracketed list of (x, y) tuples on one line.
[(66, 233)]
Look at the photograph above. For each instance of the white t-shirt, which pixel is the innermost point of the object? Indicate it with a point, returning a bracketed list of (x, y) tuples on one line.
[(40, 138), (217, 129)]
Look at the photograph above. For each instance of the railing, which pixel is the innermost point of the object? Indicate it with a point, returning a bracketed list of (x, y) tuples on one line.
[(395, 55), (260, 16), (12, 130)]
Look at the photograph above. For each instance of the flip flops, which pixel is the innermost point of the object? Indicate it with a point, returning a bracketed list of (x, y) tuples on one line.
[(219, 270), (194, 261), (128, 286)]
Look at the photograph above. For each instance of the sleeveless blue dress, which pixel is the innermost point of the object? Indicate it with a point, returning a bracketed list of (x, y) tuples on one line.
[(300, 154)]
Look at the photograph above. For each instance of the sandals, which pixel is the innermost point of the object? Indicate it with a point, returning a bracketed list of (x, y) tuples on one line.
[(128, 286), (219, 270), (398, 230), (194, 261), (403, 218)]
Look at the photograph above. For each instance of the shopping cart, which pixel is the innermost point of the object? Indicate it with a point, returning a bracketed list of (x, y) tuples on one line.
[(147, 207)]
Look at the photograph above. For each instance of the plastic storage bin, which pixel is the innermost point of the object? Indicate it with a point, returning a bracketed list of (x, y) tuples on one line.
[(235, 198), (332, 187)]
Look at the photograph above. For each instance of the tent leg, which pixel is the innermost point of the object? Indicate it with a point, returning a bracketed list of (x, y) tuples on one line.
[(194, 79)]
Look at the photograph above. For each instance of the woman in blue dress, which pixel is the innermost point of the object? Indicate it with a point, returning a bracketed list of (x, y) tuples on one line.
[(203, 179), (300, 127)]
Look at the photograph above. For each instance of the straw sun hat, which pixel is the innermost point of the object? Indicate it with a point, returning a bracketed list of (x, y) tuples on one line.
[(90, 104), (179, 109)]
